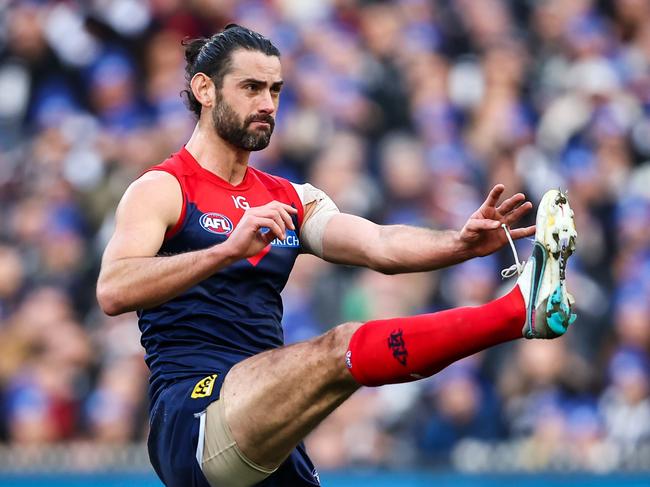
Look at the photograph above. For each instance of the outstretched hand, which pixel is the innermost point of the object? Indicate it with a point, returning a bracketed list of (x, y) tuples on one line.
[(482, 233)]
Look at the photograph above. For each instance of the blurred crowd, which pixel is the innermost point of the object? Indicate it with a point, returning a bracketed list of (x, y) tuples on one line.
[(404, 111)]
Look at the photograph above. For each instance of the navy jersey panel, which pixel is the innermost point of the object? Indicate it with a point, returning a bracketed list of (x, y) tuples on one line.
[(174, 434), (237, 312), (232, 315)]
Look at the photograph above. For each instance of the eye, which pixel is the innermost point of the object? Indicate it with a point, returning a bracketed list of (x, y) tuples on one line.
[(250, 87)]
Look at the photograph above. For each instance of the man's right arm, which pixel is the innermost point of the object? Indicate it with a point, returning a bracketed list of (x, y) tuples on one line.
[(133, 277)]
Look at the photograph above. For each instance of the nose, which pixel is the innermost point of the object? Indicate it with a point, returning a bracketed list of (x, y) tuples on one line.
[(267, 103)]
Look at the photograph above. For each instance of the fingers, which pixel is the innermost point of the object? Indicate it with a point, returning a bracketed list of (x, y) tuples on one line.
[(511, 203), (493, 196), (278, 212), (266, 236), (285, 211), (514, 208), (277, 218), (286, 217), (476, 224), (517, 213), (275, 229), (287, 208), (518, 233)]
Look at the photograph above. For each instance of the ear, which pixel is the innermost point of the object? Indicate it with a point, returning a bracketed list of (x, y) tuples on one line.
[(203, 89)]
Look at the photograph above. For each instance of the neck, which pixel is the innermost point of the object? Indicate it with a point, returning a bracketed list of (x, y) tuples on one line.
[(216, 155)]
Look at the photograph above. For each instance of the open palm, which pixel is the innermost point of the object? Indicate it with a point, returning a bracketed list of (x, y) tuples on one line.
[(482, 233)]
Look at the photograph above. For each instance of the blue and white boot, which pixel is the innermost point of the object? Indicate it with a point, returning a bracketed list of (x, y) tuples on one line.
[(542, 278)]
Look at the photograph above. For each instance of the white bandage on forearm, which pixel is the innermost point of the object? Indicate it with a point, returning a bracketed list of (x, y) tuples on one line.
[(313, 228)]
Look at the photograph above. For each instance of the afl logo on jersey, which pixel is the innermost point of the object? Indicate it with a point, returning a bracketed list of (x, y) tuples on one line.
[(216, 223)]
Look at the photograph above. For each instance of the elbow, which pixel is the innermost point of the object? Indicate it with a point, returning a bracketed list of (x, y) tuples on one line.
[(388, 271), (108, 299), (379, 256), (384, 266)]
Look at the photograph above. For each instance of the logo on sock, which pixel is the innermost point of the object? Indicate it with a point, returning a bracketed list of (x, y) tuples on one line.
[(397, 345)]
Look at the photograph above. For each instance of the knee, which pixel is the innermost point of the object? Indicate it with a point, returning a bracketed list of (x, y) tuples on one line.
[(338, 338), (335, 342)]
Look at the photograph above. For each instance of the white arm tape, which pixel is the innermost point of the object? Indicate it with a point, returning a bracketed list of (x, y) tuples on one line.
[(313, 228)]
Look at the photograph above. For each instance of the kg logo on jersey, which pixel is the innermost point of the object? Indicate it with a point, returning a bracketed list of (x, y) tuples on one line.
[(216, 223)]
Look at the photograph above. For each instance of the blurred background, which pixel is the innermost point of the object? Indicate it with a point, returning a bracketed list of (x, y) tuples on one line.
[(404, 111)]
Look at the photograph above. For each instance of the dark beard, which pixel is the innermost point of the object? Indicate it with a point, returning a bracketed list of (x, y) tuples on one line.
[(227, 124)]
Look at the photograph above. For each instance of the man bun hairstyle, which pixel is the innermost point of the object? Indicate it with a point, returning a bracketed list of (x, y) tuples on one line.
[(213, 56)]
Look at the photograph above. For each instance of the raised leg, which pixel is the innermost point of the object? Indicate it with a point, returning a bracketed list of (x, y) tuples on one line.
[(273, 400)]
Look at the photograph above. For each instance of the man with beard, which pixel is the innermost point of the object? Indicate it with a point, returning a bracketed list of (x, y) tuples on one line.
[(204, 244)]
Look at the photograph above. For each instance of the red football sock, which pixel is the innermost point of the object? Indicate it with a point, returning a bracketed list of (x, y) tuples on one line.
[(407, 349)]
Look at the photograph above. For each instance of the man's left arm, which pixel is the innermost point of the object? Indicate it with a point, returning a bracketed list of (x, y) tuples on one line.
[(393, 249)]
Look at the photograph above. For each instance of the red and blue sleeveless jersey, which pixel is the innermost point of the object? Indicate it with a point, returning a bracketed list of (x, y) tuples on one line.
[(235, 313)]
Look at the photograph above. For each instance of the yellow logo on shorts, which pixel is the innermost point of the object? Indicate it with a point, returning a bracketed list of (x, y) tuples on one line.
[(203, 388)]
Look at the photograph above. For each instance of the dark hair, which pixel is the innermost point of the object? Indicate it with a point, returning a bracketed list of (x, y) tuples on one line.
[(212, 56)]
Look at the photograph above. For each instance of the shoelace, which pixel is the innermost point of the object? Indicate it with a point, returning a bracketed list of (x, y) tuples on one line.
[(517, 267)]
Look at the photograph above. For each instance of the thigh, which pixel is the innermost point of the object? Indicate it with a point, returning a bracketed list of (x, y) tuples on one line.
[(274, 399)]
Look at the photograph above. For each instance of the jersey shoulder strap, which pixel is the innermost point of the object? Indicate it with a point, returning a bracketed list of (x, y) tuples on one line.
[(176, 166)]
